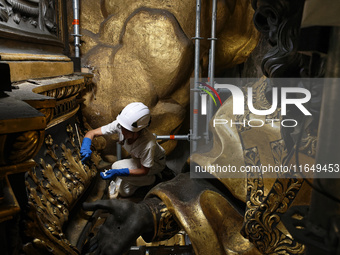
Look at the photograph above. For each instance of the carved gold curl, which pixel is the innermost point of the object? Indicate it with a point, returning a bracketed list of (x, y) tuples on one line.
[(51, 147), (263, 214), (88, 79), (279, 151), (261, 102), (25, 145), (53, 190), (255, 186), (46, 216), (63, 117), (167, 226), (255, 189), (48, 112), (262, 219), (65, 106), (71, 136), (308, 145), (61, 90), (261, 225)]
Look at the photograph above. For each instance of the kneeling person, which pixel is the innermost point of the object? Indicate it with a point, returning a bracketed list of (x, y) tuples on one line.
[(147, 156)]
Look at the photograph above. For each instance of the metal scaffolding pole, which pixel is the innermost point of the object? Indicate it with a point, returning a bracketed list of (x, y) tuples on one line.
[(173, 137), (75, 24), (77, 35), (211, 72), (196, 78)]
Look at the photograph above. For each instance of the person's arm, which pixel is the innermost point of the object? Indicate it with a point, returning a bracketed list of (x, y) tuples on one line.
[(139, 171), (146, 161), (111, 173), (93, 133), (85, 150), (146, 158)]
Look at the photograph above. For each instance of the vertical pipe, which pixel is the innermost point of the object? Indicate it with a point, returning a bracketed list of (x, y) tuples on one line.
[(323, 209), (75, 24), (119, 151), (211, 71), (213, 43), (204, 104), (196, 78), (209, 104)]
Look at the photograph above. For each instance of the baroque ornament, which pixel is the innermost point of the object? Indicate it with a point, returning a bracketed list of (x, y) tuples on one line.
[(53, 189)]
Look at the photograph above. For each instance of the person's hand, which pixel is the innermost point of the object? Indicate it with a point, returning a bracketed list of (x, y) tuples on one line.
[(126, 222), (85, 150), (110, 174)]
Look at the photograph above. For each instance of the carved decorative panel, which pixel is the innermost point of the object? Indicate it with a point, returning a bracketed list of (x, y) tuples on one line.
[(35, 20), (56, 183)]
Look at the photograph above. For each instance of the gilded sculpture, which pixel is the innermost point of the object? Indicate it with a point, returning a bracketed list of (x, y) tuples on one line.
[(206, 210), (143, 51), (199, 207)]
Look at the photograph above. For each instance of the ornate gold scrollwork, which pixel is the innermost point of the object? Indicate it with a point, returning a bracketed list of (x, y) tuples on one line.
[(64, 90), (88, 79), (48, 112), (53, 189), (308, 145), (61, 90), (25, 146), (65, 106), (164, 223), (262, 218), (19, 147), (279, 151)]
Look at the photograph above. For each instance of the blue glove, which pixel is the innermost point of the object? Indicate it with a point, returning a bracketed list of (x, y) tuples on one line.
[(85, 150), (110, 174)]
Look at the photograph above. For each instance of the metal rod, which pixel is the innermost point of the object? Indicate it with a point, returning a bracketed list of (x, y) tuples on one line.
[(158, 137), (209, 105), (211, 72), (119, 151), (196, 77), (75, 24), (173, 137), (78, 135)]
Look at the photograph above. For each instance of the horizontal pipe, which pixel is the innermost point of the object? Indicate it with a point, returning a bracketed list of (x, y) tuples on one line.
[(158, 137), (173, 137)]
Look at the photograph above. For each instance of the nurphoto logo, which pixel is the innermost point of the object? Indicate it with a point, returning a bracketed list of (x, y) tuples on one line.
[(243, 115), (239, 102), (204, 97), (302, 96)]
